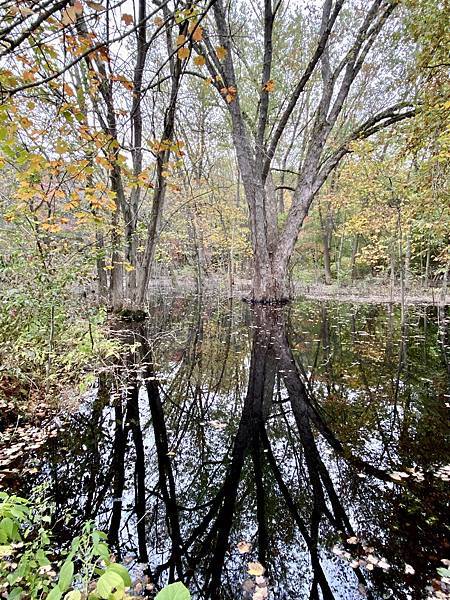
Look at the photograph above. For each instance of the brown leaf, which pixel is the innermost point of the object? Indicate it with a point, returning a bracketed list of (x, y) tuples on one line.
[(127, 19), (95, 5)]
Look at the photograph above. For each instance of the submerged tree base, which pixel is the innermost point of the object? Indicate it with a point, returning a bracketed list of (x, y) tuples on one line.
[(132, 314), (267, 301)]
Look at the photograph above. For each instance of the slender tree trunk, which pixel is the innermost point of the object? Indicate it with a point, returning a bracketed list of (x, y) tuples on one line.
[(353, 257), (100, 261), (427, 263), (408, 261)]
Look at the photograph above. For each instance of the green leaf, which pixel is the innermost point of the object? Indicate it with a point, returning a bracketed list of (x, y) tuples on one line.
[(443, 572), (122, 571), (15, 593), (7, 526), (107, 583), (55, 593), (73, 595), (41, 557), (174, 591), (65, 576), (102, 550)]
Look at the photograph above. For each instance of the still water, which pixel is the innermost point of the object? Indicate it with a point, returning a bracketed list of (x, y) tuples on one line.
[(311, 440)]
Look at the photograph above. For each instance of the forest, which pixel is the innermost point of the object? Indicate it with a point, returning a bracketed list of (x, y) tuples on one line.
[(224, 269)]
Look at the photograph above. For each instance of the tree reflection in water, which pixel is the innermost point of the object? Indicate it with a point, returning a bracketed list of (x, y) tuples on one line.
[(280, 427)]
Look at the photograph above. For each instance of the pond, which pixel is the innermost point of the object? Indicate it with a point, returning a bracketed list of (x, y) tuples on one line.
[(310, 440)]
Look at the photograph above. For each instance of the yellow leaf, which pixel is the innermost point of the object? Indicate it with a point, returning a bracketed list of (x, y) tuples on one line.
[(221, 52), (61, 147), (256, 569), (183, 53), (199, 61)]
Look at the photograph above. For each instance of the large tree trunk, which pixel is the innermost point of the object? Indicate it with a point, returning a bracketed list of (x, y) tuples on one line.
[(270, 283)]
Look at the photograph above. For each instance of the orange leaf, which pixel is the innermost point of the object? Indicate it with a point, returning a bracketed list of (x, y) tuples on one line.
[(180, 40), (269, 86), (197, 34)]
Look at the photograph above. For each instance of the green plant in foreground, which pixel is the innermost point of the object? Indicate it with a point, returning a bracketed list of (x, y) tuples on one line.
[(29, 569)]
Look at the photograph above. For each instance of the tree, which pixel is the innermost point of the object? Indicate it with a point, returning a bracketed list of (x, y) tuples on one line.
[(338, 69)]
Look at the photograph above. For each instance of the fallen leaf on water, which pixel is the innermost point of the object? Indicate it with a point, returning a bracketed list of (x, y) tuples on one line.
[(244, 547), (260, 593), (255, 568)]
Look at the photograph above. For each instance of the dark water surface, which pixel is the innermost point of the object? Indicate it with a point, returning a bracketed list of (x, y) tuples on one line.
[(316, 433)]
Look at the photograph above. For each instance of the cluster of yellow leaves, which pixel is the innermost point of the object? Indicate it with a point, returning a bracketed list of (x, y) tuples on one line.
[(168, 145)]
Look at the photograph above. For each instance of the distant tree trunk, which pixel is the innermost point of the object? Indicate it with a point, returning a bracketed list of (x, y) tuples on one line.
[(408, 261), (427, 263), (392, 271), (102, 278), (353, 257), (163, 156), (326, 225)]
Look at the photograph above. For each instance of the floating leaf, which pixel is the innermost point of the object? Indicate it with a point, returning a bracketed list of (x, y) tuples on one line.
[(256, 569), (244, 547)]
